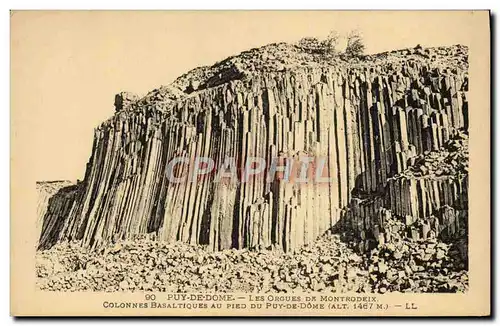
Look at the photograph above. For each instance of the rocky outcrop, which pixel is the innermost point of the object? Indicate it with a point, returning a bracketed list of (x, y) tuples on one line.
[(45, 190), (370, 119), (430, 198), (124, 100), (60, 207)]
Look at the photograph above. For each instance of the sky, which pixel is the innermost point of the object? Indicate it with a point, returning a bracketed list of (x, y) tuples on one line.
[(66, 67)]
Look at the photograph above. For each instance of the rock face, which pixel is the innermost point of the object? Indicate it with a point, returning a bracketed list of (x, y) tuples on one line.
[(372, 120), (124, 100), (60, 205), (45, 190)]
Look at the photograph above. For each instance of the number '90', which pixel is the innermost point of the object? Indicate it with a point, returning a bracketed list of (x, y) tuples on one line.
[(150, 297)]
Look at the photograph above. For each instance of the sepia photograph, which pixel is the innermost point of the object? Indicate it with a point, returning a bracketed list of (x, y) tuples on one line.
[(239, 162)]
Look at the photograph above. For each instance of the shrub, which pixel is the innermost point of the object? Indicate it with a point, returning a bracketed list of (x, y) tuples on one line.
[(331, 42)]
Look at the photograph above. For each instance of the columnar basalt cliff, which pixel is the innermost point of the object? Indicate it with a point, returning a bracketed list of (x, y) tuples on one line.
[(375, 119), (45, 191)]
